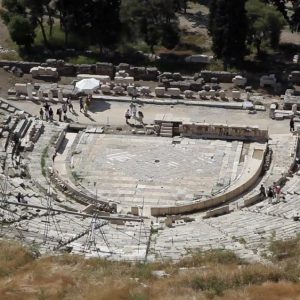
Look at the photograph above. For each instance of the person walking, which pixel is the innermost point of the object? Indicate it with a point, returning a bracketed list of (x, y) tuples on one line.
[(51, 114), (292, 125), (262, 191), (133, 110), (141, 117), (69, 103), (127, 116), (46, 106), (64, 108), (81, 104), (41, 114), (47, 115), (59, 113), (134, 93), (270, 195), (278, 192)]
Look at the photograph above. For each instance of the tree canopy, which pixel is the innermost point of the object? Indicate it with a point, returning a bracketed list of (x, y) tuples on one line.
[(228, 28)]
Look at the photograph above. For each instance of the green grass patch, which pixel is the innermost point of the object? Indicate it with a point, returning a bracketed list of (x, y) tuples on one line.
[(223, 257), (283, 249)]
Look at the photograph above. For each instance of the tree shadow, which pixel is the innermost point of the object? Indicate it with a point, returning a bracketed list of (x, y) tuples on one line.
[(99, 106), (89, 117)]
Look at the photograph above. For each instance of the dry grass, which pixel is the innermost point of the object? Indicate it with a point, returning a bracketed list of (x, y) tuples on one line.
[(209, 275)]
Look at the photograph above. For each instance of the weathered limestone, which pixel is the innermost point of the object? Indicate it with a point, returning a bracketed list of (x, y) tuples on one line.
[(203, 94), (268, 80), (239, 81), (159, 91), (174, 92), (105, 89), (236, 95), (29, 90), (118, 90), (145, 90), (217, 211), (223, 130), (37, 72), (21, 88), (188, 94)]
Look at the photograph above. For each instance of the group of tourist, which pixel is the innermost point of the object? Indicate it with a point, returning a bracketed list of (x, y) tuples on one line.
[(273, 193), (132, 112), (47, 113)]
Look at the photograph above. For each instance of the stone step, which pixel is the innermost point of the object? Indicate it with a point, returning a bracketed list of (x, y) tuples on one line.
[(166, 124), (166, 130), (166, 135)]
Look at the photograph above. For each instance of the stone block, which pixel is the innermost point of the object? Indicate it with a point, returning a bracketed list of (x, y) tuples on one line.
[(21, 88), (105, 89), (239, 80), (118, 90), (203, 94), (268, 80), (174, 92), (159, 91), (217, 211), (103, 68), (128, 80), (145, 90), (188, 94), (236, 95), (84, 69), (119, 80)]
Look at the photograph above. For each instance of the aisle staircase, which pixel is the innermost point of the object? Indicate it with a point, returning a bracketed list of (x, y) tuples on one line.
[(166, 129)]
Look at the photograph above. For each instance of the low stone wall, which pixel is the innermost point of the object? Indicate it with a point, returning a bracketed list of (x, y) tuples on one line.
[(25, 66), (100, 68), (214, 201), (221, 76), (223, 131)]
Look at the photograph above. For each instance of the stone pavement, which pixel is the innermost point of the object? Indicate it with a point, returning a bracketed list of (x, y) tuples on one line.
[(132, 170), (112, 113)]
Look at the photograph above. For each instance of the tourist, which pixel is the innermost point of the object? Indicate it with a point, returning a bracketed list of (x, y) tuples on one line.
[(87, 103), (277, 192), (292, 125), (64, 108), (141, 117), (51, 114), (41, 114), (71, 108), (133, 110), (81, 104), (19, 197), (134, 93), (59, 112), (270, 195), (46, 106), (127, 116), (262, 191), (54, 155), (47, 115)]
